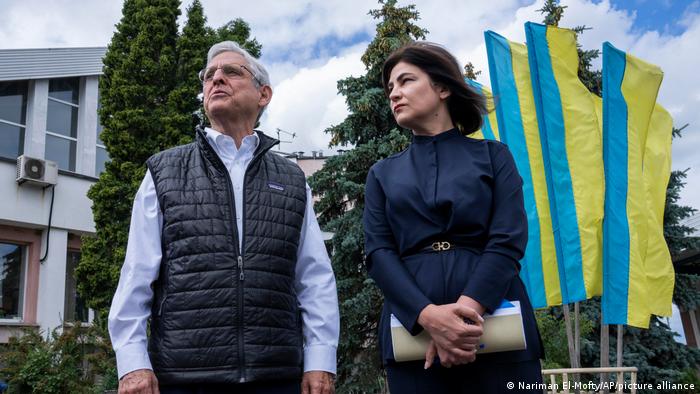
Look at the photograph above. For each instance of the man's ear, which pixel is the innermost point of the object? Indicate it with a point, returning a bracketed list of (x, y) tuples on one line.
[(265, 95)]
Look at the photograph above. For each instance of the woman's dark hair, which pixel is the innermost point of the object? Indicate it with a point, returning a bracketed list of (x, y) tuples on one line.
[(466, 106)]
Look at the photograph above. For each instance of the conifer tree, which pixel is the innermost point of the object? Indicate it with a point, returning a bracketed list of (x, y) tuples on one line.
[(184, 105), (238, 30), (371, 128), (133, 91)]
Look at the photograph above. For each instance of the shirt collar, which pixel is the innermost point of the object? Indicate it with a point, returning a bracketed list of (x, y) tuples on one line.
[(226, 146)]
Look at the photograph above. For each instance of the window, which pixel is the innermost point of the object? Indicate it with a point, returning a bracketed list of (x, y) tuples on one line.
[(11, 280), (62, 122), (74, 306), (13, 112), (101, 156)]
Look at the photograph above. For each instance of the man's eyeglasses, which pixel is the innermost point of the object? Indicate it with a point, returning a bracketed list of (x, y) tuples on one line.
[(230, 70)]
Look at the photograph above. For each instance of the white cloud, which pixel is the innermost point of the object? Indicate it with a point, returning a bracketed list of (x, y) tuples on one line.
[(294, 27), (307, 103), (60, 23)]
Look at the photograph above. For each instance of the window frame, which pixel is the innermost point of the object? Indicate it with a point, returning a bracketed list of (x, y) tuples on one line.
[(66, 321), (62, 136), (22, 283), (23, 127)]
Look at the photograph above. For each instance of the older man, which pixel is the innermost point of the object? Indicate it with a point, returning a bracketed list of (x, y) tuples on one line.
[(225, 257)]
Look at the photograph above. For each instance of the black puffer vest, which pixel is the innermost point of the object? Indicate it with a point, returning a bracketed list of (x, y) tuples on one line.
[(220, 316)]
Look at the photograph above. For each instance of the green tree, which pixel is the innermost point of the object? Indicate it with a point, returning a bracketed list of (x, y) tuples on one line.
[(238, 30), (371, 128), (184, 105), (133, 92)]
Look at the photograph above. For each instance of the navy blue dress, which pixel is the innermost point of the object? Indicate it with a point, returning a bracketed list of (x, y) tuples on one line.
[(457, 189)]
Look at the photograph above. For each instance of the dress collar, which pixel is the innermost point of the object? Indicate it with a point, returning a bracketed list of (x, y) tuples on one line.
[(445, 135)]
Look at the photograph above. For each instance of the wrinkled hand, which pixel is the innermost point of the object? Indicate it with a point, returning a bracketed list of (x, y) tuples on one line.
[(317, 382), (141, 381), (454, 341)]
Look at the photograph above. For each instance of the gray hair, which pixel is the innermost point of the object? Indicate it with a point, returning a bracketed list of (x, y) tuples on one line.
[(256, 68)]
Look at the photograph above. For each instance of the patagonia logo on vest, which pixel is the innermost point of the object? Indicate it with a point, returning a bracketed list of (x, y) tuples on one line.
[(276, 186)]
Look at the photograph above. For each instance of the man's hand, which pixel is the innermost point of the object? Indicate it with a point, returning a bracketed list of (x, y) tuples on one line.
[(455, 341), (141, 381), (317, 382)]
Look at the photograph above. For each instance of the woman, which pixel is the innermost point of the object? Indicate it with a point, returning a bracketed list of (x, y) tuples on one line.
[(445, 227)]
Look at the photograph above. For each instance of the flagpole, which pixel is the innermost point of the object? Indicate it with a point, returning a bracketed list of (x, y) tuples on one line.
[(604, 349), (620, 332)]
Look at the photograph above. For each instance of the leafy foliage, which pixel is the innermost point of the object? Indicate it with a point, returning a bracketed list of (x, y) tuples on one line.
[(553, 332), (371, 128), (72, 361)]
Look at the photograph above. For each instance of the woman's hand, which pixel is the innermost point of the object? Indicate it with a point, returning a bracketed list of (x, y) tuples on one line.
[(455, 341), (472, 303)]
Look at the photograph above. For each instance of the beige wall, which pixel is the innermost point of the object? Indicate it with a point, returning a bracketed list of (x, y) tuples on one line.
[(310, 166)]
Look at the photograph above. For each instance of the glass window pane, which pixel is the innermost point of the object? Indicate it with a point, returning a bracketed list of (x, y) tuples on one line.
[(101, 158), (62, 151), (99, 133), (10, 281), (11, 140), (62, 119), (65, 89), (74, 305), (99, 124), (13, 101)]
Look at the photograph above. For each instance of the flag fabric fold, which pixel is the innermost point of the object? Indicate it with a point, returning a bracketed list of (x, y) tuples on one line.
[(638, 273), (489, 130), (572, 150), (517, 120)]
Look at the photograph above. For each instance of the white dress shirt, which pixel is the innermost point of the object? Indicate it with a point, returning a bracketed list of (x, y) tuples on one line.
[(314, 283)]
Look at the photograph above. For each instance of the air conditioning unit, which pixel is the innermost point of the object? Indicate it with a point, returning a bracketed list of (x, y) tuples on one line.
[(36, 171)]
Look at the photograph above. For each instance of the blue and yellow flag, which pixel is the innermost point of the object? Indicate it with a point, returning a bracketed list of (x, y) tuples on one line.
[(657, 172), (517, 119), (569, 127), (638, 274), (489, 129)]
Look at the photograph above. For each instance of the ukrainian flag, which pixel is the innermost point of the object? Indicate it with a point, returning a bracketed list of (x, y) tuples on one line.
[(638, 274), (569, 127), (657, 172), (489, 129), (517, 119)]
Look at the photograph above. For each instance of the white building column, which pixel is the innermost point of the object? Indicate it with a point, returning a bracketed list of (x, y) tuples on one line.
[(37, 108), (87, 126), (52, 281)]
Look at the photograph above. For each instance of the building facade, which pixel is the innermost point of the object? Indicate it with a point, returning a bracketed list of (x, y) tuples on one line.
[(48, 110)]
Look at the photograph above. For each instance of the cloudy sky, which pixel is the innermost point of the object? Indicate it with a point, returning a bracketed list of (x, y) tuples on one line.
[(309, 45)]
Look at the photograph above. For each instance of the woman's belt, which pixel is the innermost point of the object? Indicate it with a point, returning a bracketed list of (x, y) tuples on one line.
[(443, 246)]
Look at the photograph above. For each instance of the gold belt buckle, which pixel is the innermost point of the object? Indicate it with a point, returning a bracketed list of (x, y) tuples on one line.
[(440, 246)]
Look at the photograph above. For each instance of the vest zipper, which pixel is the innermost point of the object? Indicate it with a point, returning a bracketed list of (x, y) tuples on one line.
[(241, 276), (241, 249), (162, 302)]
